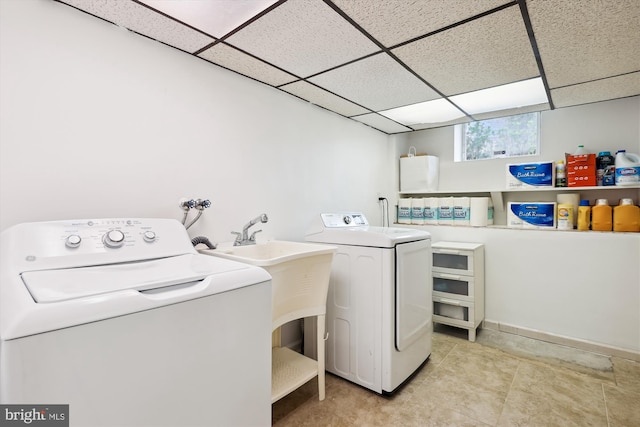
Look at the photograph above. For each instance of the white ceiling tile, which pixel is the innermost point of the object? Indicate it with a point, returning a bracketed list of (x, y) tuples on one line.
[(599, 90), (486, 52), (381, 123), (589, 49), (323, 98), (393, 22), (140, 19), (304, 37), (214, 17), (587, 40), (242, 63), (377, 83)]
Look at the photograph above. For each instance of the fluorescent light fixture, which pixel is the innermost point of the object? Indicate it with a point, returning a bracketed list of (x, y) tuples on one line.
[(512, 95), (436, 111), (215, 17), (509, 96)]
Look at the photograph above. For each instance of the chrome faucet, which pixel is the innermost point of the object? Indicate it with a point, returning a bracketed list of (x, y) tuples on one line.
[(243, 238)]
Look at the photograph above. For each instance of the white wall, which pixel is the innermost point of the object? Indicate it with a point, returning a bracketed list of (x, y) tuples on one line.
[(100, 122), (603, 126), (580, 285)]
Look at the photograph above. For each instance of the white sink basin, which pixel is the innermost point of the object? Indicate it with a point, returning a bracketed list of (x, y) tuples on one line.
[(271, 252), (299, 282), (299, 275)]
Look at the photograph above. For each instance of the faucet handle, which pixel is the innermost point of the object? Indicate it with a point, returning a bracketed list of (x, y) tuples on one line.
[(238, 237), (253, 235)]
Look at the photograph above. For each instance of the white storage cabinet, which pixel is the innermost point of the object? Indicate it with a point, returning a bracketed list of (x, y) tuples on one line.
[(458, 285)]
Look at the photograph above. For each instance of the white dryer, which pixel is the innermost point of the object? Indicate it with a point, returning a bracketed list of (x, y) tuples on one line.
[(126, 323), (379, 306)]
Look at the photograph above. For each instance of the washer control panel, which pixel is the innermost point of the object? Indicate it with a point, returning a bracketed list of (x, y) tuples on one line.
[(58, 244), (108, 233), (341, 220)]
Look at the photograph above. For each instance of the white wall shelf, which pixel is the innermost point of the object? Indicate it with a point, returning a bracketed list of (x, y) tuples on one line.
[(500, 196), (521, 190)]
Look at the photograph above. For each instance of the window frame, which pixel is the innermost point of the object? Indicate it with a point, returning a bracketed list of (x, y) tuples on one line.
[(460, 140)]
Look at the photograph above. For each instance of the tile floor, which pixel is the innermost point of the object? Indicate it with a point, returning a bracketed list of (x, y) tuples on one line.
[(471, 384)]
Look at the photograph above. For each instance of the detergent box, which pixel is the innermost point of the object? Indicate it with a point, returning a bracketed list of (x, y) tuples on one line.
[(581, 170), (527, 175), (531, 214)]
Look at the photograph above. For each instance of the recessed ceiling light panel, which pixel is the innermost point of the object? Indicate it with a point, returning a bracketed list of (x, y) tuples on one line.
[(512, 95), (214, 17), (436, 111)]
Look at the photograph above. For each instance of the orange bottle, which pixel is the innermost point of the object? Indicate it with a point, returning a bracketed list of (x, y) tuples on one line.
[(626, 216), (601, 216)]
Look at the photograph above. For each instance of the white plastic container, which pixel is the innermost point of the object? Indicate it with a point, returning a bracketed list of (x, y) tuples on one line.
[(581, 150), (627, 168)]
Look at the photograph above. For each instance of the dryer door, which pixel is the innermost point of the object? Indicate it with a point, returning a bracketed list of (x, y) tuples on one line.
[(413, 292)]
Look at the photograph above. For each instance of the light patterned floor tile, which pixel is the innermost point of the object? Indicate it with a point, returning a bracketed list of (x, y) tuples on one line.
[(627, 374), (469, 384), (623, 406), (549, 396)]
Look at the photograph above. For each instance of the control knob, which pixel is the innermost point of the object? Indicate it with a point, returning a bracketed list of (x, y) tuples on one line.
[(114, 238), (149, 236), (347, 219), (73, 241)]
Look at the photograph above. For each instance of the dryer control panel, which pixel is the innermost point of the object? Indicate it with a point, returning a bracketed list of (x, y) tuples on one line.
[(339, 220)]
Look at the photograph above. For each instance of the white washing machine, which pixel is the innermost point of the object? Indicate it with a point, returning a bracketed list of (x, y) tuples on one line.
[(379, 306), (126, 323)]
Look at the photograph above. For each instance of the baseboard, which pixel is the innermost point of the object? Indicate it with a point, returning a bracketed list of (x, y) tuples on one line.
[(562, 340)]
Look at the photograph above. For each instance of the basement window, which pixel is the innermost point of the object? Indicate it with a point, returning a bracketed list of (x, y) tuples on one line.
[(512, 136)]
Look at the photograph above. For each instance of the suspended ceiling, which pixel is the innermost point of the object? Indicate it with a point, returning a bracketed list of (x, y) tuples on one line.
[(362, 58)]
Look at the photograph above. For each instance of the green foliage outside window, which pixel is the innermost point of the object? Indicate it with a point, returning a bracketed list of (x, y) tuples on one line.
[(502, 137)]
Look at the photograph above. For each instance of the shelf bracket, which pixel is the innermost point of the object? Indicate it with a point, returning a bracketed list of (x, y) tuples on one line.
[(496, 198)]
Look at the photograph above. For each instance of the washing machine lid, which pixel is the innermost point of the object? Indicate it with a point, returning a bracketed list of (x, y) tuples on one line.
[(49, 282), (354, 229), (49, 286)]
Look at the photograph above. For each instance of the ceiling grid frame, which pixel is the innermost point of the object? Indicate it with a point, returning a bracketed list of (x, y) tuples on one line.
[(393, 25)]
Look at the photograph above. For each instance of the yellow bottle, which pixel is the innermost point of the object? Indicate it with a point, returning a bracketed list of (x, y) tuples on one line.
[(584, 215), (601, 219), (625, 216)]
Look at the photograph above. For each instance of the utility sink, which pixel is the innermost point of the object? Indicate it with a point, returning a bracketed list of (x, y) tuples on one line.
[(271, 253), (299, 274), (299, 283)]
